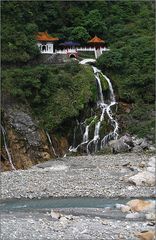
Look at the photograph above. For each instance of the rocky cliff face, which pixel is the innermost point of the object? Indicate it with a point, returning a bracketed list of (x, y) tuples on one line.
[(27, 143)]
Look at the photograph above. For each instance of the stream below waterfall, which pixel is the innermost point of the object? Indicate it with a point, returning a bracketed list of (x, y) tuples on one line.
[(49, 203), (87, 207)]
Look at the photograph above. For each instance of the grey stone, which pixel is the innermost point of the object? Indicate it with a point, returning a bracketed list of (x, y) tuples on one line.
[(137, 149), (55, 215), (142, 164), (138, 141), (119, 146), (150, 216), (119, 206), (151, 169), (152, 149), (23, 123), (125, 209), (128, 140), (144, 144), (143, 178), (152, 161), (133, 215)]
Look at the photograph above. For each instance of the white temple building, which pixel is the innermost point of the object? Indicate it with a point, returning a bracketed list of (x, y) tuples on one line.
[(46, 45), (45, 42)]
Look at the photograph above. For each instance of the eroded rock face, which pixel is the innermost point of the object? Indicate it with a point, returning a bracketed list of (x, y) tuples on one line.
[(24, 125), (27, 143)]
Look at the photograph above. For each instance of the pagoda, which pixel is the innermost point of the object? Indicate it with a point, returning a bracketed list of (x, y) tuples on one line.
[(97, 42), (46, 42)]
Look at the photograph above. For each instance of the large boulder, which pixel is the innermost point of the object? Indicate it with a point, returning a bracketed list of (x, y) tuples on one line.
[(140, 144), (146, 177), (124, 144), (143, 178), (138, 205), (146, 235)]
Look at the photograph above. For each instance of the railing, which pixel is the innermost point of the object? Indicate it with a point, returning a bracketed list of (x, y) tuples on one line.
[(85, 49), (66, 51), (80, 49), (46, 51)]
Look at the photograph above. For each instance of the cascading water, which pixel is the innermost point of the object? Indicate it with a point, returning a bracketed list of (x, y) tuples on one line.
[(49, 139), (6, 148), (85, 138), (96, 142)]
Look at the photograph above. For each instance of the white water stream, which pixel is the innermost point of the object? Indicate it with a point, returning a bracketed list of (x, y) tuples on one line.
[(6, 148), (51, 144), (105, 109), (85, 137)]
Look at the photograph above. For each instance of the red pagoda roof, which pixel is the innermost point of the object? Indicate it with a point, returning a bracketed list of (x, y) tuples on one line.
[(43, 36), (96, 40)]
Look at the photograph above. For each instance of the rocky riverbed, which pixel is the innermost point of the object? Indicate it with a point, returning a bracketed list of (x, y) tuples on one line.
[(107, 176), (41, 226), (96, 176)]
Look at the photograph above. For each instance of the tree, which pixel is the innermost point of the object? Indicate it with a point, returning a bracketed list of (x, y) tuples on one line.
[(95, 24), (18, 42), (79, 34)]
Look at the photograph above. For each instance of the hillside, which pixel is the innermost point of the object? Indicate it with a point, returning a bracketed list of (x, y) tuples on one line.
[(57, 95)]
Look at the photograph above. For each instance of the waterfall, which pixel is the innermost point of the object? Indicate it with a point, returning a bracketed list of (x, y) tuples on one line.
[(6, 148), (96, 142), (85, 137), (85, 140), (49, 139), (112, 96)]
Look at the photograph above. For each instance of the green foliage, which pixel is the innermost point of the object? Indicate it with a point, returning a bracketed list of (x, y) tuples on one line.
[(18, 42), (79, 34), (104, 83), (142, 129), (94, 22), (91, 121), (73, 67), (84, 54), (53, 97), (132, 67)]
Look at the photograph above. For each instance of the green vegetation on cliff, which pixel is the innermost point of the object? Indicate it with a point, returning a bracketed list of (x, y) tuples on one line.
[(131, 64), (55, 93)]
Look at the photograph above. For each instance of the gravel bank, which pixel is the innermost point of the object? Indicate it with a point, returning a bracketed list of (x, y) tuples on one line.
[(94, 176), (40, 226)]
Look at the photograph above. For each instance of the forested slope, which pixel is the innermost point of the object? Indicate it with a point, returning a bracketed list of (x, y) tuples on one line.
[(126, 26)]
